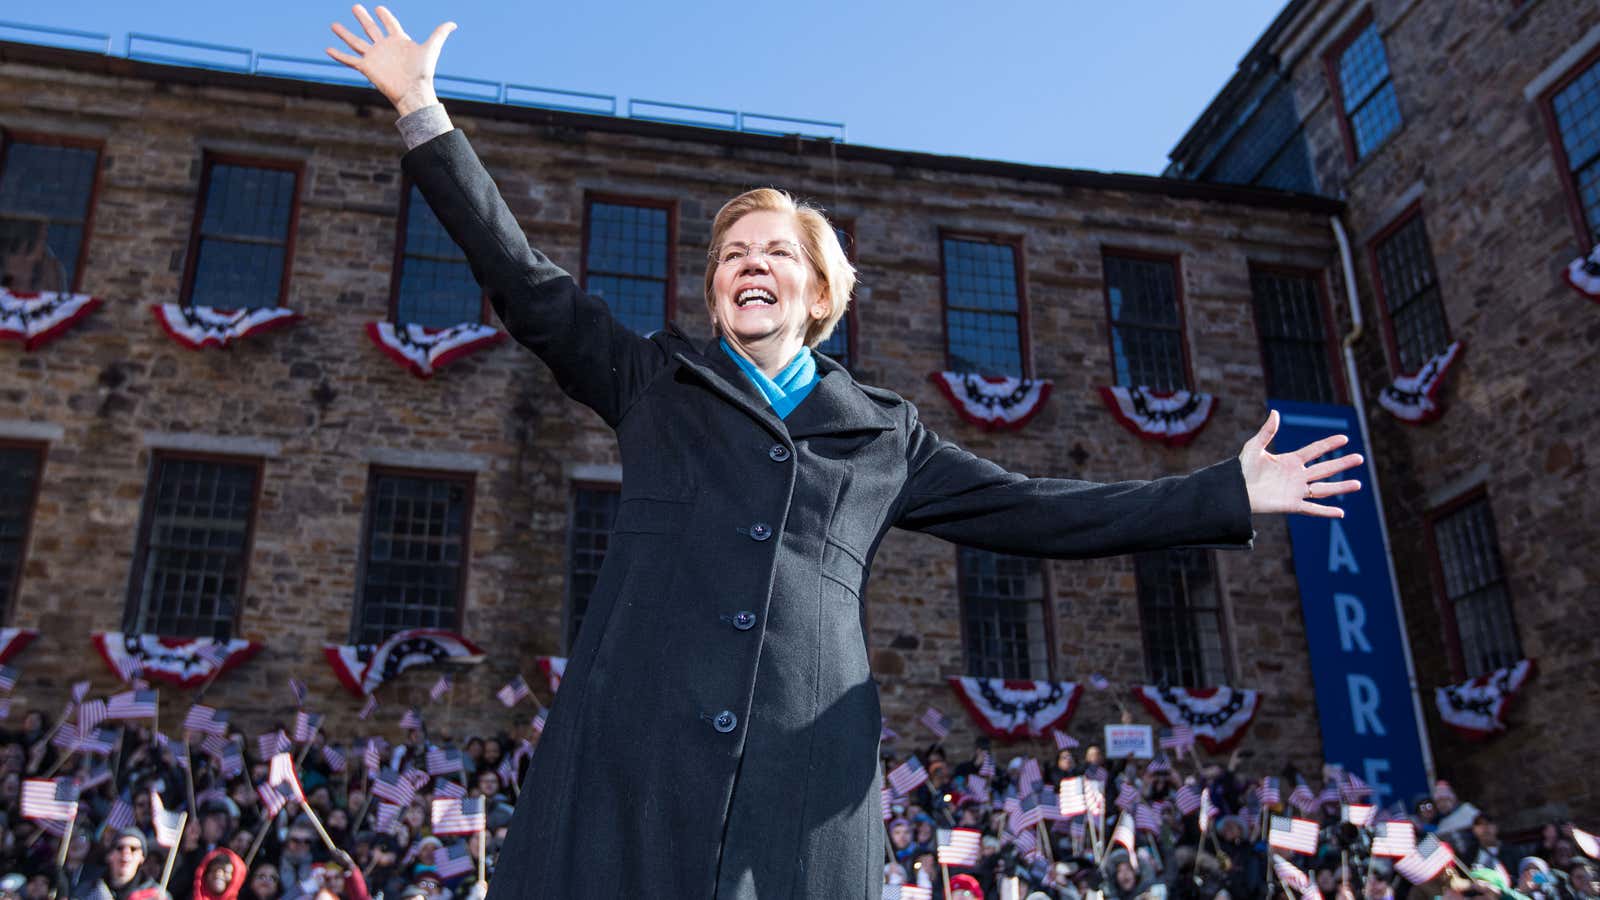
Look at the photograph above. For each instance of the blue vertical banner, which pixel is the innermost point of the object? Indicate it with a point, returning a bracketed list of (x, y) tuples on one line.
[(1360, 661)]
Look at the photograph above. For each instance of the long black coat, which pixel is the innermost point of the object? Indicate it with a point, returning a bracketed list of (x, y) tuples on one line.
[(716, 733)]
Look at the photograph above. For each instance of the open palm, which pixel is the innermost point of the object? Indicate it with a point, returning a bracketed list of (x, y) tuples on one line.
[(399, 67), (1288, 482)]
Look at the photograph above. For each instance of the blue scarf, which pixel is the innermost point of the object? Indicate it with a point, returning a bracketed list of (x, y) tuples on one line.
[(785, 392)]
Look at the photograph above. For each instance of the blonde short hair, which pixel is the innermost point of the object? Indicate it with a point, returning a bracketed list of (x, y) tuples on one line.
[(817, 238)]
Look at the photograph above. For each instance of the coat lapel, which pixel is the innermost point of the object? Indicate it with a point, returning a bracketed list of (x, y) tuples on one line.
[(836, 406), (722, 375)]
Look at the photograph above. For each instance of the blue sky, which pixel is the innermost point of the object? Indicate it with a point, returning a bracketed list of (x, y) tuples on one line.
[(1068, 83)]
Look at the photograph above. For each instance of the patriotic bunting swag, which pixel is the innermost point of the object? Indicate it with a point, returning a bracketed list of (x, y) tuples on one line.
[(361, 668), (1219, 716), (14, 641), (1173, 418), (35, 318), (1412, 397), (991, 402), (1584, 274), (424, 350), (1476, 708), (1011, 709), (197, 327), (181, 662)]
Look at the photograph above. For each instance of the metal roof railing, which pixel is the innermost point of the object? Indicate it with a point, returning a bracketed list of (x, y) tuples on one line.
[(221, 57)]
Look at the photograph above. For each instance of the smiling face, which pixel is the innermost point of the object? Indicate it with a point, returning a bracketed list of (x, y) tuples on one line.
[(764, 289)]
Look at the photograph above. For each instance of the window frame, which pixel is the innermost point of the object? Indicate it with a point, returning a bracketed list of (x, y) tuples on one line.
[(1176, 259), (1391, 346), (1046, 609), (1019, 259), (41, 451), (1224, 635), (210, 159), (376, 471), (1447, 607), (1319, 280), (1547, 113), (13, 136), (397, 273), (1330, 66), (590, 198), (568, 638), (848, 226), (141, 547)]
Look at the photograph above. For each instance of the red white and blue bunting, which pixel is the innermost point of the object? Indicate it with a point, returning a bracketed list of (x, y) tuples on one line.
[(1174, 418), (993, 402), (424, 351), (198, 327), (34, 318), (361, 668), (1011, 709), (554, 669), (1476, 708), (181, 662), (1412, 397), (1219, 716), (14, 641), (1583, 274)]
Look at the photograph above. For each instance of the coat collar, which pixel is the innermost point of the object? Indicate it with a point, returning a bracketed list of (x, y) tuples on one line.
[(835, 406)]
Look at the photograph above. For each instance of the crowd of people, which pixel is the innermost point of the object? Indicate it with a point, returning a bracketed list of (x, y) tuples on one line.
[(361, 822)]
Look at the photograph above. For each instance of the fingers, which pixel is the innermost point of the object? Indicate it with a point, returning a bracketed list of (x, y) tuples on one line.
[(436, 39), (390, 22), (367, 25), (1334, 488), (1269, 429), (1319, 511), (353, 62), (350, 38), (1317, 448), (1333, 466)]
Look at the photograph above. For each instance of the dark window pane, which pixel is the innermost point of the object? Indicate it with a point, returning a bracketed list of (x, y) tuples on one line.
[(190, 566), (982, 307), (44, 193), (1002, 608), (1268, 148), (1146, 342), (244, 234), (1475, 585), (437, 289), (1369, 98), (19, 479), (627, 261), (588, 536), (1411, 293), (415, 555), (1182, 618), (837, 346), (1293, 344), (1577, 114)]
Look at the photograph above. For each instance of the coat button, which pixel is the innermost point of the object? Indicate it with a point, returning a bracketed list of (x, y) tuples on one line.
[(744, 620), (760, 531), (778, 452), (725, 721)]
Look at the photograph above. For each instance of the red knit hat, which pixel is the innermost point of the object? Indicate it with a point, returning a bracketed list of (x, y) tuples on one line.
[(966, 882)]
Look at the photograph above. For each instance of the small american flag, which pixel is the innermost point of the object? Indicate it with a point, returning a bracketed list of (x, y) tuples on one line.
[(1394, 839), (507, 771), (132, 705), (168, 825), (1127, 796), (1178, 738), (462, 815), (1330, 794), (418, 778), (884, 795), (885, 733), (101, 741), (214, 745), (1094, 795), (959, 846), (411, 721), (1290, 874), (90, 715), (274, 797), (1302, 799), (205, 720), (231, 761), (281, 772), (937, 722), (453, 860), (1029, 777), (1359, 814), (368, 708), (1070, 797), (1425, 862), (334, 758), (1312, 892), (388, 816), (1352, 789), (1063, 740), (1270, 792), (444, 762), (906, 892), (297, 688), (393, 788), (515, 691), (306, 725), (47, 799), (1586, 842), (1124, 834), (1029, 813), (440, 688), (1158, 765), (120, 816), (1145, 818), (1188, 799), (907, 776), (66, 737), (986, 764), (272, 743), (540, 718), (978, 788), (1298, 835), (1208, 811), (449, 790), (8, 678), (80, 690), (372, 756)]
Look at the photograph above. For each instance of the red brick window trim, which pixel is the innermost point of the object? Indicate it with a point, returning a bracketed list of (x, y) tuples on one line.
[(628, 258), (241, 244), (193, 548), (432, 283), (1571, 111), (1407, 283), (1357, 67), (1471, 586), (1296, 334), (591, 514), (1145, 320), (983, 285), (1180, 611), (48, 187), (414, 553), (1005, 615), (21, 468)]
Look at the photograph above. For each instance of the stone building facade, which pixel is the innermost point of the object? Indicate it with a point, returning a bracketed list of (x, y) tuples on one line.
[(1462, 138), (327, 436)]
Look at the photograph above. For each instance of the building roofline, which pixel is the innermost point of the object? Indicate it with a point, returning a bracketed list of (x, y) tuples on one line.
[(116, 66)]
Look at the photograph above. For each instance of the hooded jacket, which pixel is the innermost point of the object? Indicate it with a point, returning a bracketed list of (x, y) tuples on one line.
[(235, 884)]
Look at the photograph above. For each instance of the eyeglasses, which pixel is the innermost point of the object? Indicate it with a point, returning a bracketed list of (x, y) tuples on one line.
[(127, 848), (735, 252)]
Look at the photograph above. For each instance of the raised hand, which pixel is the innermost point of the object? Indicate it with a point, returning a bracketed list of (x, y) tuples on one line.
[(399, 67), (1284, 483)]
